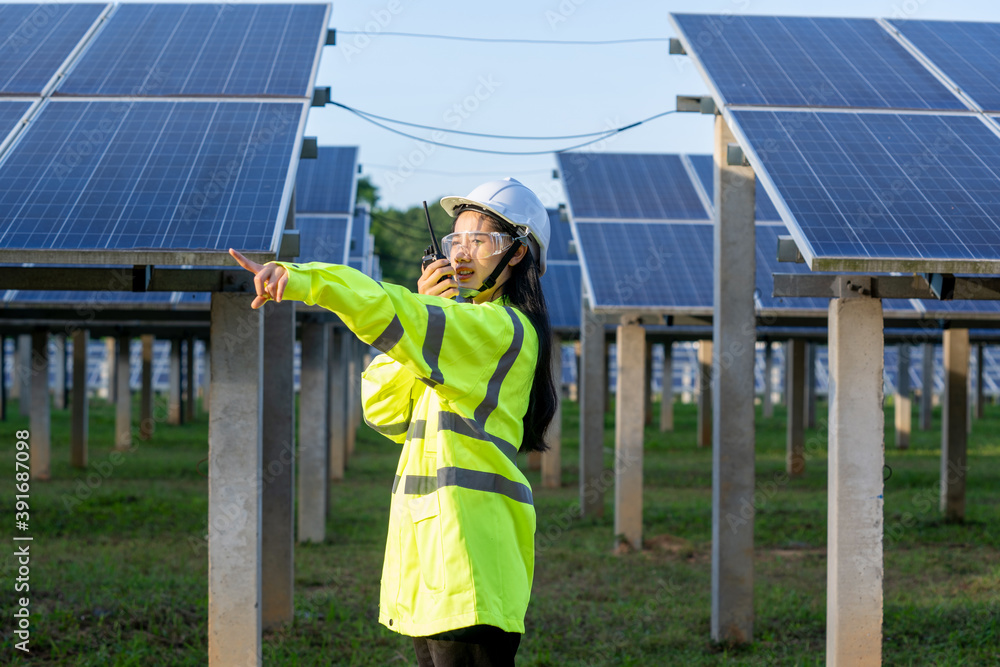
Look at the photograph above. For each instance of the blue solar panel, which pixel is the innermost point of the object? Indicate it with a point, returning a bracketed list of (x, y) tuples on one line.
[(326, 184), (887, 192), (968, 53), (148, 175), (359, 235), (92, 300), (561, 285), (202, 49), (763, 209), (800, 61), (36, 39), (322, 239), (559, 240), (647, 264), (10, 114), (635, 186)]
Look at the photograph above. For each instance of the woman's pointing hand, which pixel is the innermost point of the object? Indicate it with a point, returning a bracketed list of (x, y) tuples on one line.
[(269, 279)]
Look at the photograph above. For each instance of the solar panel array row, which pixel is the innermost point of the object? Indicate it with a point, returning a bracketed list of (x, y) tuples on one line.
[(148, 172), (865, 184)]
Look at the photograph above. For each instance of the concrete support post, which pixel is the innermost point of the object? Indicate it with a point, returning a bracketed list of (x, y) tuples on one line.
[(206, 380), (59, 366), (552, 458), (954, 436), (795, 381), (3, 378), (278, 450), (648, 379), (22, 372), (146, 422), (903, 412), (855, 505), (111, 368), (733, 361), (337, 411), (593, 366), (41, 438), (190, 384), (79, 417), (768, 405), (629, 408), (927, 390), (313, 435), (234, 479), (980, 402), (810, 394), (667, 396), (174, 413), (123, 404), (353, 349), (704, 393)]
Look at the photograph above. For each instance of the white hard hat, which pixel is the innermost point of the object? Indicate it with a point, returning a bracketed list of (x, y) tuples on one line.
[(512, 201)]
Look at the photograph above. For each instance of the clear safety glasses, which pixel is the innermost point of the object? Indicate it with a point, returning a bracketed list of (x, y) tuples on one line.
[(477, 245)]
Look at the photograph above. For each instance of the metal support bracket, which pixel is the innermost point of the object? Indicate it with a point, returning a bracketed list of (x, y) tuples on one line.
[(703, 104), (833, 286)]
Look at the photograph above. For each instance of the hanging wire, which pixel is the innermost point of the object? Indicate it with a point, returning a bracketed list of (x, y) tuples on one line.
[(368, 114), (636, 40), (607, 134)]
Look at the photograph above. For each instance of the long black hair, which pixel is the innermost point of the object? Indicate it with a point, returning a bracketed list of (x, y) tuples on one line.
[(524, 291)]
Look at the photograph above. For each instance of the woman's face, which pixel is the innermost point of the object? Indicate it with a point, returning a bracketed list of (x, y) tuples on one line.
[(471, 268)]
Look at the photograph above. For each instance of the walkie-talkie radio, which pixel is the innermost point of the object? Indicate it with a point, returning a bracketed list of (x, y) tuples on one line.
[(433, 251)]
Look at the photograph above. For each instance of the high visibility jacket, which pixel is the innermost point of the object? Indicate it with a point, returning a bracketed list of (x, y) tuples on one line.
[(452, 387)]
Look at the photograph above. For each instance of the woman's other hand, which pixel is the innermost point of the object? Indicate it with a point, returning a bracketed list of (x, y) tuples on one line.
[(428, 283), (269, 279)]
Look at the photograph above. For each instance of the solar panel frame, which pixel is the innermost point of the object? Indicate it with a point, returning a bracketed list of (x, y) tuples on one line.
[(78, 21), (132, 37), (293, 130)]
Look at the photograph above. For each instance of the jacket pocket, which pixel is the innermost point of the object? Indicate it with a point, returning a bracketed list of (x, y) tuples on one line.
[(426, 514)]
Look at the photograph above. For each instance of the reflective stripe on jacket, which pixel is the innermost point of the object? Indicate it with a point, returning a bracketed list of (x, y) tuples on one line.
[(452, 387)]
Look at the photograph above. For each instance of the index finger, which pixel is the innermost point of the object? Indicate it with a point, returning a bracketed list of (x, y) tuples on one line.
[(244, 262)]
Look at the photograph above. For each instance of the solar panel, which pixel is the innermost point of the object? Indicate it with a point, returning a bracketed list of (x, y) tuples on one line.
[(202, 49), (93, 300), (36, 39), (647, 265), (629, 186), (327, 184), (149, 175), (323, 238), (968, 53), (801, 61), (10, 114), (560, 239), (763, 209), (884, 192), (561, 286), (360, 229)]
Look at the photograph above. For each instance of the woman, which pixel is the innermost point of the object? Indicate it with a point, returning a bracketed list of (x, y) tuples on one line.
[(463, 385)]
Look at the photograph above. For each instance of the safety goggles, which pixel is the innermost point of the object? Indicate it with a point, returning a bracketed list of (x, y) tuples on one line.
[(477, 245)]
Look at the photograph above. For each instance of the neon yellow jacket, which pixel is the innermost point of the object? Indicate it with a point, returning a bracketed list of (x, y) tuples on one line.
[(452, 387)]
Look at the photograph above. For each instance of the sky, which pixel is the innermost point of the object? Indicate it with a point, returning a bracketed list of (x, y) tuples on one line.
[(529, 89)]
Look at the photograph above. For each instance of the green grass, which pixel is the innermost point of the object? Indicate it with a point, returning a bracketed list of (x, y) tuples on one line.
[(119, 577)]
